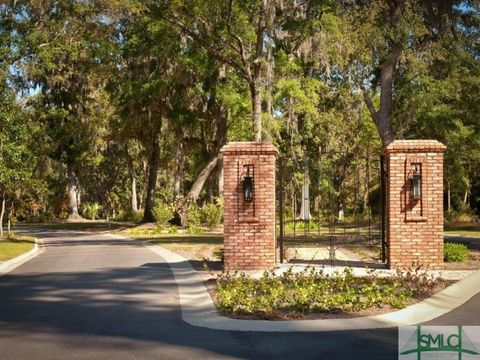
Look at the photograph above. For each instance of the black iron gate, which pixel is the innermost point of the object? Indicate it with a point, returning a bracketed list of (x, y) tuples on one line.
[(331, 212)]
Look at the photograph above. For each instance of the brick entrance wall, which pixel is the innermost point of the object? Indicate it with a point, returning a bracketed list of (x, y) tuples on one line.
[(415, 227), (249, 228)]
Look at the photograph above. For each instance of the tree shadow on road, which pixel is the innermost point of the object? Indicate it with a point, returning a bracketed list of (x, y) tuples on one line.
[(138, 308)]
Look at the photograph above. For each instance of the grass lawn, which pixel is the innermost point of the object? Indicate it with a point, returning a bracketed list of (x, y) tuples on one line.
[(15, 246), (467, 229), (464, 232), (200, 249)]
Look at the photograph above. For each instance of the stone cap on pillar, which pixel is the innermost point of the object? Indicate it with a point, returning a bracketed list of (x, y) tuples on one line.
[(415, 146), (249, 147)]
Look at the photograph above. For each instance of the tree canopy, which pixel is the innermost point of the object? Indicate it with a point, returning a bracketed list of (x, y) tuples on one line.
[(127, 103)]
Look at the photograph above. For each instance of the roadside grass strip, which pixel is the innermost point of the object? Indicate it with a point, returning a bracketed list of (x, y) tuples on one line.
[(15, 245)]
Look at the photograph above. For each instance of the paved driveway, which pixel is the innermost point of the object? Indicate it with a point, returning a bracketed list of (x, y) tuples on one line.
[(89, 296)]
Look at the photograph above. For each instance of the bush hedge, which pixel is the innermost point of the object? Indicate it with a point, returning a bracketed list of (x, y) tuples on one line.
[(91, 210), (313, 291), (194, 216), (455, 252), (211, 215), (163, 214)]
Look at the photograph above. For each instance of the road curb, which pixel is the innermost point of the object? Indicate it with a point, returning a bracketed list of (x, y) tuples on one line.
[(199, 310), (11, 264)]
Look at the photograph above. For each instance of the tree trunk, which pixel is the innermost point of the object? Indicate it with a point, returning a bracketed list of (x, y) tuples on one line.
[(449, 198), (384, 121), (179, 159), (79, 197), (134, 202), (133, 181), (305, 207), (256, 110), (10, 216), (383, 117), (467, 192), (220, 178), (270, 68), (140, 199), (202, 177), (366, 194), (221, 139), (153, 163), (2, 213), (197, 186), (294, 202), (209, 189), (341, 212), (73, 190)]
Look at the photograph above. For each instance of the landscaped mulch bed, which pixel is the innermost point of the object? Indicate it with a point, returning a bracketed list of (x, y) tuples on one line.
[(303, 312)]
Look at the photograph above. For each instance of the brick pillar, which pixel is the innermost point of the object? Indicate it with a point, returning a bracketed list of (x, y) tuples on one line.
[(249, 227), (415, 227)]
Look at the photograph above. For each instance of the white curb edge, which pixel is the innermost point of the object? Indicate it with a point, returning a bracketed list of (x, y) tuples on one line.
[(199, 310), (11, 264)]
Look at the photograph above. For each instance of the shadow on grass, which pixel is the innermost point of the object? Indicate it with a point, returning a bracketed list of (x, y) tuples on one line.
[(463, 229), (452, 226), (16, 241), (470, 243)]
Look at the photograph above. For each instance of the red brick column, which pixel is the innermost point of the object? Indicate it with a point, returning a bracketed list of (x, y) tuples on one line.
[(415, 227), (249, 228)]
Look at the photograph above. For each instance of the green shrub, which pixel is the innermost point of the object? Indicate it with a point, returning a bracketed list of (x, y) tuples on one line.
[(211, 215), (91, 210), (313, 291), (38, 218), (137, 231), (455, 252), (302, 225), (192, 229), (172, 230), (162, 213), (464, 215), (194, 216), (135, 216)]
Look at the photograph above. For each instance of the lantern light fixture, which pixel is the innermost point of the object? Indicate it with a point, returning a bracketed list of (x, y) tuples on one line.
[(248, 186), (416, 185)]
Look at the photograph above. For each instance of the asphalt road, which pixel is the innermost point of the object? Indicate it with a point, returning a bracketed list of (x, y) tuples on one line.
[(93, 297)]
